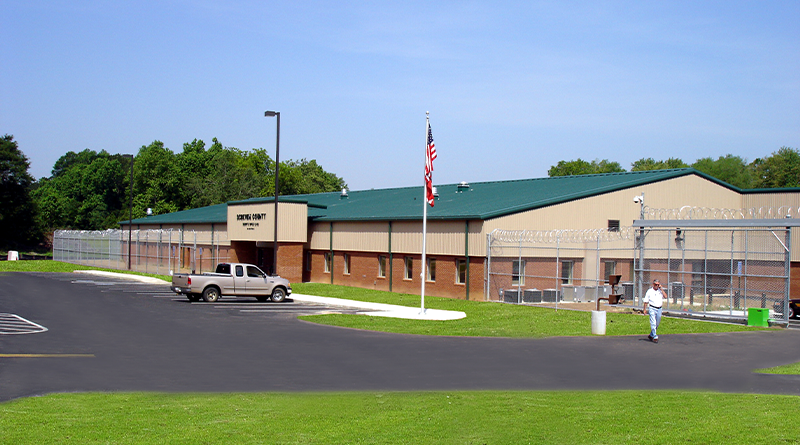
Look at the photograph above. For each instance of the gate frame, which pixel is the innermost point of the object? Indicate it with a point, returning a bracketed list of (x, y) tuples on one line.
[(784, 224)]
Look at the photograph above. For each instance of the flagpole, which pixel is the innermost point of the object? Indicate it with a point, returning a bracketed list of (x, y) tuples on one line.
[(424, 219)]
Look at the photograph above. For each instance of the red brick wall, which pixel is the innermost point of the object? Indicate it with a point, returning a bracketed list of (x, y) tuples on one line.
[(290, 261), (364, 274)]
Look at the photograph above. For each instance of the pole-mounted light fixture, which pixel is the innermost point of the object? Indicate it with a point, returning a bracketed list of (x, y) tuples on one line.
[(277, 168)]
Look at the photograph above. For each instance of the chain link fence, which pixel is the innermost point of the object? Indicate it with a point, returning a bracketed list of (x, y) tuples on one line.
[(716, 271), (156, 251), (713, 272)]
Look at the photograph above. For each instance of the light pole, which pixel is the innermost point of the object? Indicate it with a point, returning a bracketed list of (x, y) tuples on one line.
[(277, 168), (130, 212)]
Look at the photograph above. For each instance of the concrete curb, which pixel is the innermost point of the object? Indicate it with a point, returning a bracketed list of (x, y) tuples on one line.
[(384, 310), (124, 276)]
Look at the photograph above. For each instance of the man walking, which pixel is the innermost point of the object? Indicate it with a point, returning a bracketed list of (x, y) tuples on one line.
[(653, 301)]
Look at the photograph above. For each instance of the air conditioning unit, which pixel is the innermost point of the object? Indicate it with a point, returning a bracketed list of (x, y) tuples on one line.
[(551, 295), (532, 296), (511, 296)]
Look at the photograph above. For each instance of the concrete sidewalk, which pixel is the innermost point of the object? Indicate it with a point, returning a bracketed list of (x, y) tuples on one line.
[(373, 309)]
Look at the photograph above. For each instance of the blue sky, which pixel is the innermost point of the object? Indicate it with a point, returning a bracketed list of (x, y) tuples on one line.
[(512, 87)]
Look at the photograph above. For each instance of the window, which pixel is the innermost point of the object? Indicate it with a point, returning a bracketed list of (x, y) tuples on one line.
[(408, 268), (328, 262), (347, 264), (610, 269), (254, 272), (382, 266), (518, 273), (461, 271), (566, 272), (431, 272), (613, 225), (309, 258), (239, 271)]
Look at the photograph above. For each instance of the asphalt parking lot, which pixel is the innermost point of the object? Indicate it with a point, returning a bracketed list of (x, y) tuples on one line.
[(106, 334)]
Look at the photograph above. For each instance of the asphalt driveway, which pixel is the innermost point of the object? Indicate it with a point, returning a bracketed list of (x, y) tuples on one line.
[(107, 334)]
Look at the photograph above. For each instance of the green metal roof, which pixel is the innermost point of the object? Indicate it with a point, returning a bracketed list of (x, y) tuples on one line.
[(480, 200), (204, 215)]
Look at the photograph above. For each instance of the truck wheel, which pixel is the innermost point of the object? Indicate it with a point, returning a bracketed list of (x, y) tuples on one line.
[(211, 294), (278, 295)]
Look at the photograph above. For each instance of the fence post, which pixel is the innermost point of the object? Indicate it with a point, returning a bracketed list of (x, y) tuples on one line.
[(487, 270)]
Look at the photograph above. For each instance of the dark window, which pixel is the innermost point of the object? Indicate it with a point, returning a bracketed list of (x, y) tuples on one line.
[(409, 268), (613, 225), (461, 271), (239, 271), (224, 268), (382, 266)]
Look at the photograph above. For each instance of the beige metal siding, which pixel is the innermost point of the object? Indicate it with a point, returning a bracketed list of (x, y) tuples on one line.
[(255, 222), (776, 201), (594, 212), (319, 236), (444, 237), (360, 236)]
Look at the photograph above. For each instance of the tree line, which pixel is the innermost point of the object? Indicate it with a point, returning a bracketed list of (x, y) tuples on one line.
[(91, 190), (780, 169)]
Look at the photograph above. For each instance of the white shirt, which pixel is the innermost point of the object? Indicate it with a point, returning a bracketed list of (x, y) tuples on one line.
[(654, 297)]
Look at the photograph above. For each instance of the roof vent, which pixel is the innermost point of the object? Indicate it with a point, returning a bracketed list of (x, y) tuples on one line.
[(149, 211), (463, 185), (344, 194), (435, 192)]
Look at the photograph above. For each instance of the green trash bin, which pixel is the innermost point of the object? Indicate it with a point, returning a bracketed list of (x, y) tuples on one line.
[(757, 317)]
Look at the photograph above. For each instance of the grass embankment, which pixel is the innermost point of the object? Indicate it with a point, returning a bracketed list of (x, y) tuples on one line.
[(488, 319), (481, 417), (58, 266)]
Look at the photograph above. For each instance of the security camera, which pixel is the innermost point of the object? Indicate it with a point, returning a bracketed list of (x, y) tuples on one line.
[(637, 199)]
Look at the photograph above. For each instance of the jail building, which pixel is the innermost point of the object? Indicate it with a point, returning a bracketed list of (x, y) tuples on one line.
[(373, 238)]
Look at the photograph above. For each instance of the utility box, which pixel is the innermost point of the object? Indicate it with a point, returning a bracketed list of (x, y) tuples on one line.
[(757, 316)]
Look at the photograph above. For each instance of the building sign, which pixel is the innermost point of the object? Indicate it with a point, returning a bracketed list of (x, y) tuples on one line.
[(250, 220)]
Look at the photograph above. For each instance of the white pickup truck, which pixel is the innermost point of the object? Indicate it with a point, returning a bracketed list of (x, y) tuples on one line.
[(235, 279)]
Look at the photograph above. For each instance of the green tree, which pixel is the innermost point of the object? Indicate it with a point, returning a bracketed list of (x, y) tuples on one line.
[(158, 181), (781, 169), (18, 226), (581, 167), (729, 168), (306, 177), (88, 191), (651, 164)]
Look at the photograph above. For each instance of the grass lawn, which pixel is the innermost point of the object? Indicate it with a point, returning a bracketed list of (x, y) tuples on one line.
[(446, 417), (474, 417), (488, 319)]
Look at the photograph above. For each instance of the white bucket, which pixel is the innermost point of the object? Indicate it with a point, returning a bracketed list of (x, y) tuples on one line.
[(599, 322), (13, 255)]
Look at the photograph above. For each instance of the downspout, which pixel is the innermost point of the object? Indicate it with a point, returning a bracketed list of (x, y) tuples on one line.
[(391, 280), (331, 253), (466, 254)]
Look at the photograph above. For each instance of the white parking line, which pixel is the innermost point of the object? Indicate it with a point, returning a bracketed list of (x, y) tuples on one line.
[(11, 324)]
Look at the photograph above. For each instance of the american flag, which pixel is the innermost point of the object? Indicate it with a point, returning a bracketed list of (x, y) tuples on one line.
[(430, 155)]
